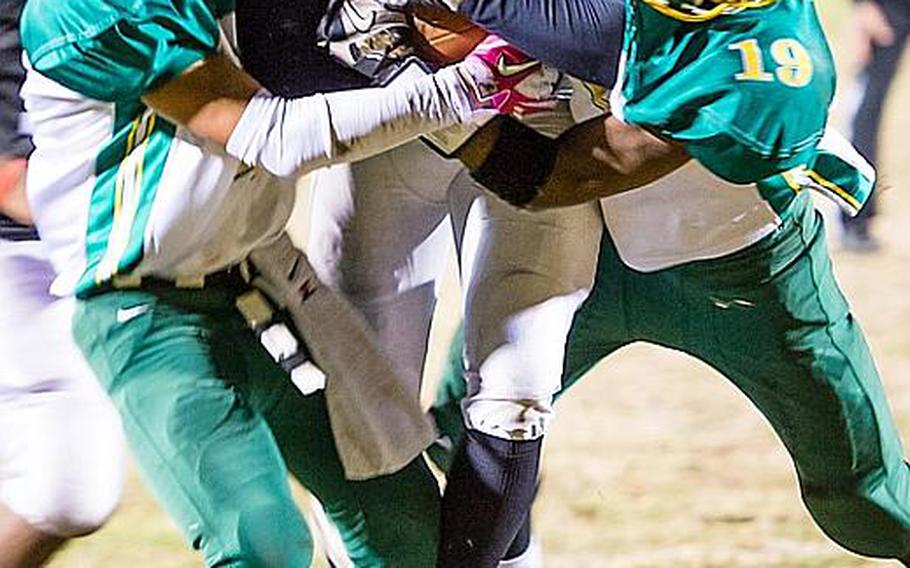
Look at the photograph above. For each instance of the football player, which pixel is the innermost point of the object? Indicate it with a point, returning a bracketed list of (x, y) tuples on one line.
[(143, 126), (381, 230), (61, 458), (742, 87)]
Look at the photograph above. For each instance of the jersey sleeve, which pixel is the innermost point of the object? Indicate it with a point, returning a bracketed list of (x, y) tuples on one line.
[(115, 51), (747, 95)]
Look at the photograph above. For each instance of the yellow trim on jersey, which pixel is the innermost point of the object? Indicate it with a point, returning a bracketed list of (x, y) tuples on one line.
[(835, 189), (600, 96), (792, 181), (690, 12), (127, 191)]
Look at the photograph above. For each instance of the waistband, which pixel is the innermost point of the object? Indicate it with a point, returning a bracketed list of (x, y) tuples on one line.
[(10, 230), (232, 278)]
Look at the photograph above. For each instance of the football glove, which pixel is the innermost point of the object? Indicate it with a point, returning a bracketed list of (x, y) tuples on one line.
[(501, 80), (504, 79)]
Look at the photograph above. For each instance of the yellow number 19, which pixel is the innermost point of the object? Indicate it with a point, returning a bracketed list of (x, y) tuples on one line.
[(794, 64)]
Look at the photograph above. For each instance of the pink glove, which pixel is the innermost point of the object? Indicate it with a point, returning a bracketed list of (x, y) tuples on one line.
[(504, 79)]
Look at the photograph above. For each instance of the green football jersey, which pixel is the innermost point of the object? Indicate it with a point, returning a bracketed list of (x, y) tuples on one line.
[(120, 193), (116, 50), (747, 93)]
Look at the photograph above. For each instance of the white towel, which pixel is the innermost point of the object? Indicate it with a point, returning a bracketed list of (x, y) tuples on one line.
[(378, 426)]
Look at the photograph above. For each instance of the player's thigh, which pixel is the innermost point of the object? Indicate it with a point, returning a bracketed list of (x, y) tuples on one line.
[(391, 520), (61, 458), (176, 376), (603, 322), (379, 234), (783, 332), (373, 222), (33, 323), (525, 275)]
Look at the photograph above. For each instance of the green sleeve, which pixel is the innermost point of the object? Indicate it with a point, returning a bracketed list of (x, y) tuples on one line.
[(688, 82), (738, 161), (117, 50)]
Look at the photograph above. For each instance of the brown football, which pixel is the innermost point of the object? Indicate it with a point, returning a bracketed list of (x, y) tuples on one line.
[(447, 37)]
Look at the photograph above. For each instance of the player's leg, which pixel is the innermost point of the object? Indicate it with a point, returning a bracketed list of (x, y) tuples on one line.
[(446, 409), (61, 460), (63, 468), (386, 521), (519, 304), (378, 234), (870, 94), (599, 328), (772, 319), (24, 546), (174, 363)]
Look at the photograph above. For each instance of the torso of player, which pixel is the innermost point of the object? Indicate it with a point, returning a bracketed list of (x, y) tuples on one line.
[(746, 93), (688, 215), (120, 193)]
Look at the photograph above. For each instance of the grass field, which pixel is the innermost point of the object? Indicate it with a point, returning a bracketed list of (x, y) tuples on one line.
[(655, 460)]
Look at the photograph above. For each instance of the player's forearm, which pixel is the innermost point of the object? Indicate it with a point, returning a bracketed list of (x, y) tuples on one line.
[(13, 201), (221, 104), (295, 136), (593, 160)]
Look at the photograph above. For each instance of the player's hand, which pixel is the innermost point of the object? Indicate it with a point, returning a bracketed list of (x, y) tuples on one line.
[(873, 29), (504, 79)]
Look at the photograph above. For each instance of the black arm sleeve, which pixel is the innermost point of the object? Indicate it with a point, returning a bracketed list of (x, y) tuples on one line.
[(581, 37), (12, 141)]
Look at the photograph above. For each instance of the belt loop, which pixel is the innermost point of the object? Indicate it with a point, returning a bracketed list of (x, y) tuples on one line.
[(121, 281), (190, 282)]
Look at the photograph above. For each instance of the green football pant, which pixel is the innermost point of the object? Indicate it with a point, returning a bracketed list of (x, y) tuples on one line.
[(214, 425), (771, 319)]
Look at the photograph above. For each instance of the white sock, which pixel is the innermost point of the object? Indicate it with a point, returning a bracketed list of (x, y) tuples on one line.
[(530, 558)]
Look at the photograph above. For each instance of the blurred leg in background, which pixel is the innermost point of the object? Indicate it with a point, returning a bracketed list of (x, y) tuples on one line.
[(61, 461), (883, 28)]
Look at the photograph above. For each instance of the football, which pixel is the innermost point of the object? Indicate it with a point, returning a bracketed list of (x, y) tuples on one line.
[(446, 37)]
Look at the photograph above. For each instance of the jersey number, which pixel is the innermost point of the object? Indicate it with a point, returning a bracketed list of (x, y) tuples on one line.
[(794, 64)]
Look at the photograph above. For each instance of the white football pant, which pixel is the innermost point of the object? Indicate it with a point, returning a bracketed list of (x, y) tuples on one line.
[(380, 231), (61, 452)]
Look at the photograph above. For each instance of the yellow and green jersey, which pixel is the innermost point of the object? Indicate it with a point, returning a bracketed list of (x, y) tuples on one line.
[(119, 192), (744, 86), (692, 214)]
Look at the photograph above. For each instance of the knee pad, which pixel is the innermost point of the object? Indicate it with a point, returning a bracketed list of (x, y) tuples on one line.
[(68, 509), (271, 536), (68, 479), (514, 420)]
